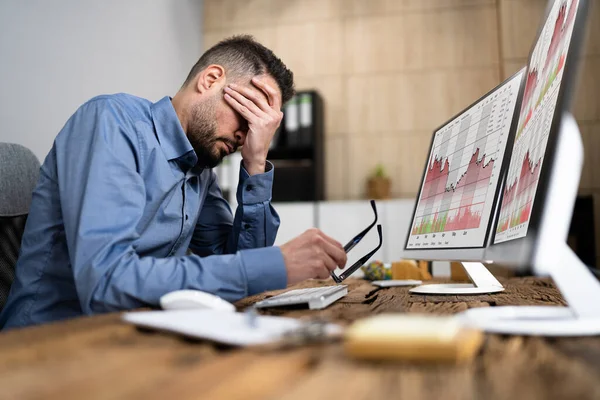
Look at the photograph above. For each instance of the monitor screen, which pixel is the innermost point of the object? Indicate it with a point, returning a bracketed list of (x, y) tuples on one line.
[(460, 183), (544, 78)]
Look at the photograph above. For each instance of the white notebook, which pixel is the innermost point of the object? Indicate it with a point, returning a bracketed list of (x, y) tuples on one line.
[(220, 326)]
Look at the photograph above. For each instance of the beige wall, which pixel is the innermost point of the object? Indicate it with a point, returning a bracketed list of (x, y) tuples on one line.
[(391, 71)]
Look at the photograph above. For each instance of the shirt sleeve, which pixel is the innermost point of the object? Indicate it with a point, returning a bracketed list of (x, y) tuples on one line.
[(102, 202), (255, 224)]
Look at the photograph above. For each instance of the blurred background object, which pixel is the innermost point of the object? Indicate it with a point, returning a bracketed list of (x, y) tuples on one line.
[(298, 154), (379, 185)]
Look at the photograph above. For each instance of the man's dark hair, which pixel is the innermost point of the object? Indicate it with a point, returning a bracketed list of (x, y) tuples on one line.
[(242, 56)]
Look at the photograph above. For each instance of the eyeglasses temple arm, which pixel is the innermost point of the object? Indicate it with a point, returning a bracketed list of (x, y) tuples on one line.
[(350, 245), (359, 263)]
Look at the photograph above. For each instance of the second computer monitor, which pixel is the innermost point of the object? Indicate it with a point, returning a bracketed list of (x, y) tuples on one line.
[(459, 188), (546, 98)]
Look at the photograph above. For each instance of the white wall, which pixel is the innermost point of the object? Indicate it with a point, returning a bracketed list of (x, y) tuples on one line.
[(54, 55)]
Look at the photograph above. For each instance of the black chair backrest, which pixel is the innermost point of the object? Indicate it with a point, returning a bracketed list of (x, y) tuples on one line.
[(11, 232), (19, 172)]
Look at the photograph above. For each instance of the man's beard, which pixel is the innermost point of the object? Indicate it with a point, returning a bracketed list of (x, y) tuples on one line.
[(202, 134)]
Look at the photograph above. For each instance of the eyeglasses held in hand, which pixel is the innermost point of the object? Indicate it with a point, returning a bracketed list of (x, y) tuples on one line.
[(350, 245)]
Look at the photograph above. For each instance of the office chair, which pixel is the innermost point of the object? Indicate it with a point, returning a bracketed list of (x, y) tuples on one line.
[(19, 172)]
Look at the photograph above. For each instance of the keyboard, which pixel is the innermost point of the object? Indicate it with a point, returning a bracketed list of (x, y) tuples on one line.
[(315, 298)]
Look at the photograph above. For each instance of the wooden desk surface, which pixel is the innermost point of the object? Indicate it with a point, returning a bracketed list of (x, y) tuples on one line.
[(101, 357)]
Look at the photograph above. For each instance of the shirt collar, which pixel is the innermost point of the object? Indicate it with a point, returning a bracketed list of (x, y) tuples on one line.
[(170, 134)]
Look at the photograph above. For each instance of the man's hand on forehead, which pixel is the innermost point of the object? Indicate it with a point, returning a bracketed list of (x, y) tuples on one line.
[(261, 107), (265, 90)]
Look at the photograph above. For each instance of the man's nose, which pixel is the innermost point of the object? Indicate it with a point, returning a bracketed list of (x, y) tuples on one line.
[(240, 137)]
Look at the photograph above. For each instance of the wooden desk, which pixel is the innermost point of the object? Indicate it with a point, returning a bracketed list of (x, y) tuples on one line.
[(101, 357)]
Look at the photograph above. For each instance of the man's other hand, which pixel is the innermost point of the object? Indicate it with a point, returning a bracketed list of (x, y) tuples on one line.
[(312, 255)]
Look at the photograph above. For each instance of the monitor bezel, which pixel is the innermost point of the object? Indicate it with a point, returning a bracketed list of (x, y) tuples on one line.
[(518, 253), (470, 253)]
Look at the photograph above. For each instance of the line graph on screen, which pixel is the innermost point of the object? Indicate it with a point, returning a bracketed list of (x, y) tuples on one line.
[(469, 191), (535, 120), (462, 172)]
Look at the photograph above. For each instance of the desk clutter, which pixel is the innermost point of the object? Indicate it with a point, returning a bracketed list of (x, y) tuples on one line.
[(403, 269), (391, 336), (395, 336), (401, 337)]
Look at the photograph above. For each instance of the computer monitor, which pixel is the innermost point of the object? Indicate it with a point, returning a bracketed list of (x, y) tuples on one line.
[(540, 188), (459, 190), (548, 90)]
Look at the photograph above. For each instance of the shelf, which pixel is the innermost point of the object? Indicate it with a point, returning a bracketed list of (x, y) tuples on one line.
[(290, 153), (295, 163)]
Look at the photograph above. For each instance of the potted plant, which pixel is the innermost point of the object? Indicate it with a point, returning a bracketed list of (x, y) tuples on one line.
[(379, 184)]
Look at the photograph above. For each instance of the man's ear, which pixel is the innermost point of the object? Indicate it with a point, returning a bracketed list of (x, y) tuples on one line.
[(210, 77)]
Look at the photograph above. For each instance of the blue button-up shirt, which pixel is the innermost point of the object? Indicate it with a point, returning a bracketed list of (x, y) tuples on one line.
[(119, 202)]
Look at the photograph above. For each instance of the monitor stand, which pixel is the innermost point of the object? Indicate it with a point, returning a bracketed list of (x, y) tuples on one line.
[(483, 283), (554, 258)]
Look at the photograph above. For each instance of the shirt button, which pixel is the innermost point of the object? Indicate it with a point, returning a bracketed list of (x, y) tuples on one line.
[(246, 226), (249, 188), (186, 217)]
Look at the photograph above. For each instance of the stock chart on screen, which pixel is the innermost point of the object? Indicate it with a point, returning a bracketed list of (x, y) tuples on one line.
[(542, 86), (461, 177)]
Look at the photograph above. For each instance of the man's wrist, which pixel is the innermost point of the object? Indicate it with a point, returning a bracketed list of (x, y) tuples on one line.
[(255, 189), (255, 167)]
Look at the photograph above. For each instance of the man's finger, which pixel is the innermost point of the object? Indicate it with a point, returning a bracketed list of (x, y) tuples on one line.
[(240, 108), (252, 95), (323, 273), (273, 97), (337, 254), (331, 240), (330, 263), (241, 99)]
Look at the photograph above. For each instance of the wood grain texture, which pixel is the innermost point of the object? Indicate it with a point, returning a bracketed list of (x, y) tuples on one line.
[(101, 357)]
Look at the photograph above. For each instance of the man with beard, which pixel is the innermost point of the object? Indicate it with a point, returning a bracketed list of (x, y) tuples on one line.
[(127, 207)]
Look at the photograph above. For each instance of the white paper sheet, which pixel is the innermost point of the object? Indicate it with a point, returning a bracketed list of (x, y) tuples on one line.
[(224, 327)]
